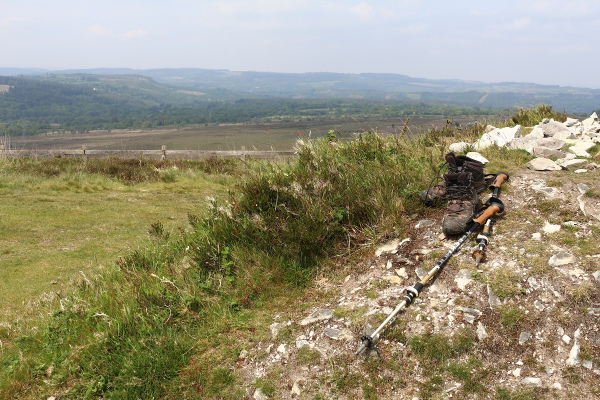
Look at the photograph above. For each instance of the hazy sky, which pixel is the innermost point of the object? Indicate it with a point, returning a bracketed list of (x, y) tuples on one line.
[(548, 42)]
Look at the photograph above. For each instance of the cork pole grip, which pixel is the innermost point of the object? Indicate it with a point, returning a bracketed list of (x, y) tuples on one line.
[(499, 180), (491, 210)]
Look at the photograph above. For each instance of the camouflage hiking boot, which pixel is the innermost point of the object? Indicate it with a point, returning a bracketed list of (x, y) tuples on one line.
[(463, 202), (455, 165)]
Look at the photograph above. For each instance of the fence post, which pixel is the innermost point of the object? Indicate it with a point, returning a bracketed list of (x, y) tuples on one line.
[(84, 155), (164, 152), (244, 155)]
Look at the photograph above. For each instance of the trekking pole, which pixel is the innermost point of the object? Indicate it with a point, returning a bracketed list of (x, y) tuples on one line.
[(494, 206), (482, 239)]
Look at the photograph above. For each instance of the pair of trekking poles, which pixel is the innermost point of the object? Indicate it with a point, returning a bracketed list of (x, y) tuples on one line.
[(493, 206)]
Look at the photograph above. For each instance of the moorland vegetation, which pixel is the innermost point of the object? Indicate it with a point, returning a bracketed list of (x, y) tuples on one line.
[(170, 319)]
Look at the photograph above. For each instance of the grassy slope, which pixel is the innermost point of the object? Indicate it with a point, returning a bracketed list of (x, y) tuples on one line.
[(55, 226), (171, 319)]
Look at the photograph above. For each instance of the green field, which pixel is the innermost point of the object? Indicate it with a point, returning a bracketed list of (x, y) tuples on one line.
[(57, 227)]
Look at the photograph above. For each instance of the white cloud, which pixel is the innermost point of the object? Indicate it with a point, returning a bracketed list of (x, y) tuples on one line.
[(519, 24), (12, 20), (362, 10), (136, 33), (98, 29)]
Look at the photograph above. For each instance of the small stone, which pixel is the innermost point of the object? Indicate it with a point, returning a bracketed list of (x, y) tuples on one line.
[(561, 258), (536, 236), (471, 311), (538, 304), (424, 223), (532, 381), (53, 282), (557, 385), (543, 164), (597, 275), (296, 387), (481, 332), (281, 348), (478, 157), (394, 279), (589, 364), (493, 300), (580, 171), (533, 283), (517, 372), (259, 395), (525, 336), (574, 355), (318, 315), (332, 333), (389, 246), (551, 228), (572, 165), (401, 272), (388, 265), (301, 342), (243, 354), (275, 327), (583, 188), (459, 147), (566, 339), (549, 371), (463, 278), (421, 272)]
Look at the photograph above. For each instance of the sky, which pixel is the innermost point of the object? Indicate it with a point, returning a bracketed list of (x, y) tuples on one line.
[(545, 42)]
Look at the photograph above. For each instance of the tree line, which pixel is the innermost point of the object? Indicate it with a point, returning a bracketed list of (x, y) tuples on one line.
[(31, 106)]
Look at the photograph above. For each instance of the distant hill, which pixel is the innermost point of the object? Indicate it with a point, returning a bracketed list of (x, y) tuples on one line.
[(226, 84)]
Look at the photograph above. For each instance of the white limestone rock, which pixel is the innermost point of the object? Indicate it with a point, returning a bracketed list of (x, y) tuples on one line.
[(572, 165), (574, 354), (561, 258), (536, 133), (478, 157), (571, 122), (481, 332), (546, 152), (459, 147), (551, 228), (531, 381), (552, 128), (543, 164), (316, 316), (500, 137), (463, 278)]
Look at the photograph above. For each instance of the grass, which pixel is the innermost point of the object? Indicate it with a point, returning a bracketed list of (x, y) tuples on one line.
[(169, 318), (65, 216), (504, 283)]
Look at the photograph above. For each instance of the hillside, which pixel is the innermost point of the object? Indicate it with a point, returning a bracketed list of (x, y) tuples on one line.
[(78, 103), (225, 84), (268, 290)]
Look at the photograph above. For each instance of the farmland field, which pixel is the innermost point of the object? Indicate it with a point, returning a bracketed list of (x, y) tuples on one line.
[(272, 136)]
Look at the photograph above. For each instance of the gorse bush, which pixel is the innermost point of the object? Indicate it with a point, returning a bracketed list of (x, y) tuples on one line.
[(533, 116)]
